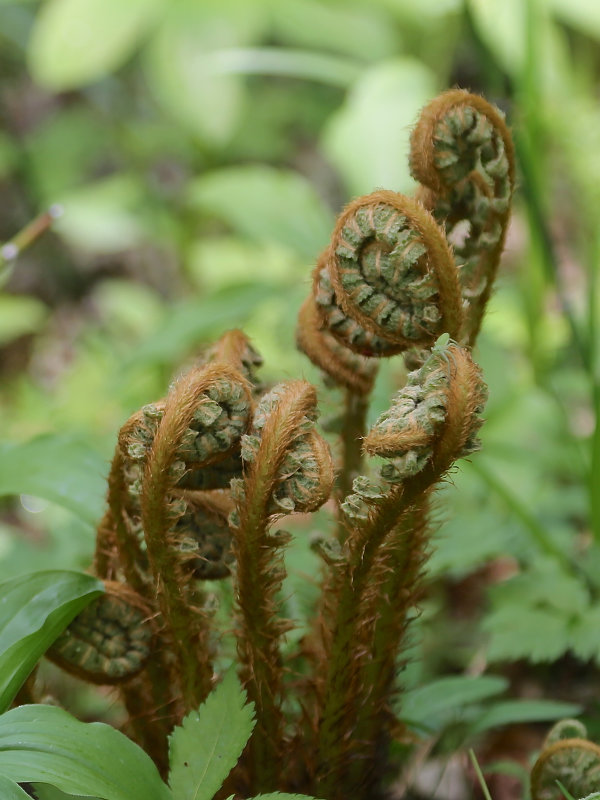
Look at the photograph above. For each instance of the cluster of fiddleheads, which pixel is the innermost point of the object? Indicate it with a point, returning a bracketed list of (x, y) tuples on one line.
[(201, 478)]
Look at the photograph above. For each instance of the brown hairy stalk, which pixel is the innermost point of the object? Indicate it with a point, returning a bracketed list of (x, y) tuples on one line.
[(283, 424), (187, 625), (373, 540)]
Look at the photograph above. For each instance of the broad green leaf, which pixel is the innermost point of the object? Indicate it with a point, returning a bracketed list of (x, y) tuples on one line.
[(43, 791), (59, 468), (266, 204), (207, 745), (367, 139), (281, 796), (19, 315), (503, 29), (44, 744), (104, 216), (75, 42), (191, 323), (584, 15), (428, 706), (367, 33), (510, 712), (181, 71), (34, 610), (9, 790)]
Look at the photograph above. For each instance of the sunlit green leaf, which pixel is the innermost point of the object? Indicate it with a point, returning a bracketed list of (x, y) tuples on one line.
[(178, 64), (584, 15), (19, 315), (206, 746), (74, 42), (104, 216), (47, 745), (365, 33), (266, 204), (34, 611), (59, 468), (367, 139)]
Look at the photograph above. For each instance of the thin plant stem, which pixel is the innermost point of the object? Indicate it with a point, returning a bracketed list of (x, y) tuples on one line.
[(353, 429)]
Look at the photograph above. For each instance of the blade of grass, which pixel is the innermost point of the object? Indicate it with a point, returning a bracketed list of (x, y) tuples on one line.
[(479, 773)]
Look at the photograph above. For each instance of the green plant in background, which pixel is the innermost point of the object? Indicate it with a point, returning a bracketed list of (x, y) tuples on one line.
[(200, 479)]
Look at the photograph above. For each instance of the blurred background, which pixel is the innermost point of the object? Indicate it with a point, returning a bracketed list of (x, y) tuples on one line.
[(200, 150)]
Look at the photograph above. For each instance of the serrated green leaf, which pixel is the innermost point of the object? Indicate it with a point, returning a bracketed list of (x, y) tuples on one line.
[(59, 468), (521, 632), (74, 42), (9, 790), (429, 706), (44, 744), (206, 746), (510, 712), (34, 610), (266, 204), (584, 634)]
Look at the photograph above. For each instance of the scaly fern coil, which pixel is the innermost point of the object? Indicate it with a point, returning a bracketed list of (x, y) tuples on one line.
[(462, 153), (387, 282), (109, 641), (568, 757)]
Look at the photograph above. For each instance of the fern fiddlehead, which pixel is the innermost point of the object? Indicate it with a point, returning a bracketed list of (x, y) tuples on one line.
[(569, 757), (392, 275), (462, 153), (109, 641)]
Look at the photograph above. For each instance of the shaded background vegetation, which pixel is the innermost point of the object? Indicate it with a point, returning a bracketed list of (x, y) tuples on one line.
[(201, 151)]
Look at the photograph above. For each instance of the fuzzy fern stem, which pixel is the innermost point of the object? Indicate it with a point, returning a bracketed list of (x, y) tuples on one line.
[(288, 468)]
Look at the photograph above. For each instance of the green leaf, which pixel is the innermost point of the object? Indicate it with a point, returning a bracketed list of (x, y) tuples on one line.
[(19, 315), (59, 468), (47, 745), (34, 610), (367, 33), (584, 15), (266, 204), (104, 216), (189, 324), (510, 712), (9, 790), (281, 796), (43, 791), (522, 632), (207, 745), (429, 706), (180, 67), (367, 139), (74, 42)]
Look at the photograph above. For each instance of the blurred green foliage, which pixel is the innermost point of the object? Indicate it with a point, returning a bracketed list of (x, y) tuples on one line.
[(201, 151)]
